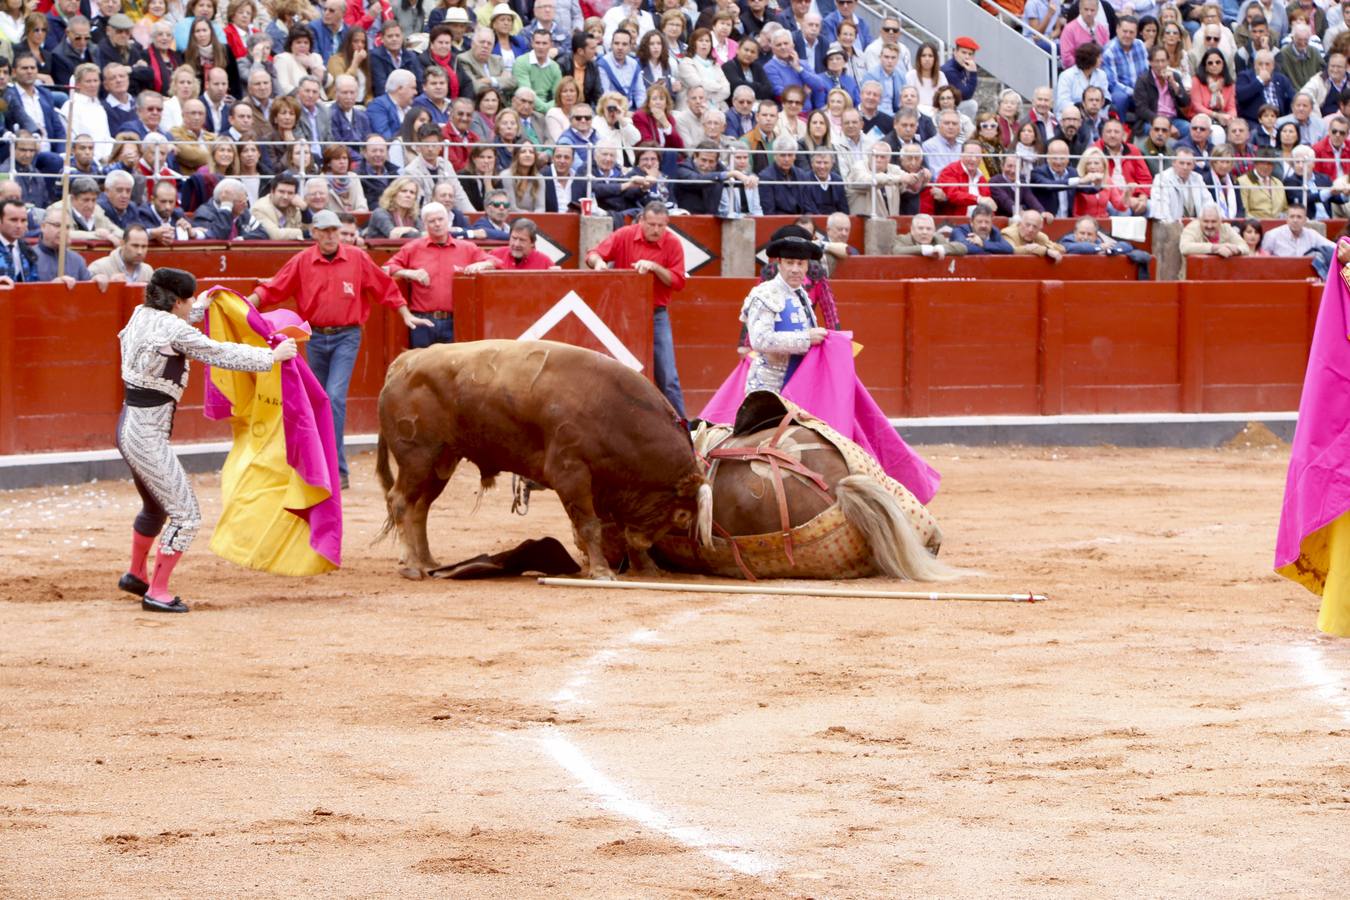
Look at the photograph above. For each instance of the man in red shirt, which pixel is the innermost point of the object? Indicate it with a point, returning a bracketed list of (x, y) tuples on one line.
[(519, 253), (646, 246), (431, 263), (457, 134), (333, 285), (962, 184)]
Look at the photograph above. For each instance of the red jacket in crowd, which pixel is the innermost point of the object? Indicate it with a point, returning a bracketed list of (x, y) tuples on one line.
[(956, 183), (1325, 156)]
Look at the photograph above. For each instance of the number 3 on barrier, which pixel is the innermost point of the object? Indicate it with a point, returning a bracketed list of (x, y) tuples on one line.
[(222, 262)]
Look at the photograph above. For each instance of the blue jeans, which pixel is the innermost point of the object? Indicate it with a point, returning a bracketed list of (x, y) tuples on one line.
[(663, 360), (1321, 260), (442, 332), (332, 358)]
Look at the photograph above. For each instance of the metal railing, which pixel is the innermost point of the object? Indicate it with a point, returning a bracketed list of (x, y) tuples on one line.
[(1005, 54), (628, 171)]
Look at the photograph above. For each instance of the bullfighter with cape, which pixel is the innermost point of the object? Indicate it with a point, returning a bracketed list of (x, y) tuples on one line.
[(1313, 546)]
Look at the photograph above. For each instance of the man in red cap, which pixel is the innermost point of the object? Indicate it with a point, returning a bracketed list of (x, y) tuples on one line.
[(963, 74)]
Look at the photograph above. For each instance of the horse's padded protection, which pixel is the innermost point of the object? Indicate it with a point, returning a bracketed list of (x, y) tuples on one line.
[(825, 547)]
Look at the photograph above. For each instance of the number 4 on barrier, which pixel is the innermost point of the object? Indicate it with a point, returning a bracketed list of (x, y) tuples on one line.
[(573, 304)]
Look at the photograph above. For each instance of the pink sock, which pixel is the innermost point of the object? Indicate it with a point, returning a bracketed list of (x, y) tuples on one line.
[(140, 555), (159, 587)]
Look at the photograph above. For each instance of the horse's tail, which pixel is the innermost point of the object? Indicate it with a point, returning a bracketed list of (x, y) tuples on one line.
[(705, 515), (386, 476), (897, 549)]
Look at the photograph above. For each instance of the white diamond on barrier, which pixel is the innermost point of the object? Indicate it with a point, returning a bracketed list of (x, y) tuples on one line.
[(695, 257), (545, 246), (572, 304)]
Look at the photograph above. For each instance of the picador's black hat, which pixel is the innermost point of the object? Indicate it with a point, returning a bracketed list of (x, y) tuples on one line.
[(177, 282), (792, 242)]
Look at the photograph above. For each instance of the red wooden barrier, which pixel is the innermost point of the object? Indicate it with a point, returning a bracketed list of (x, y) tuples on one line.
[(1248, 268), (559, 234), (974, 348), (1245, 349), (705, 320), (1116, 352), (767, 225), (1007, 268), (930, 348), (703, 243), (621, 300)]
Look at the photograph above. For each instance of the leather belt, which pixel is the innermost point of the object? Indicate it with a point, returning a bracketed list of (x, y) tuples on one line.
[(439, 314), (332, 329)]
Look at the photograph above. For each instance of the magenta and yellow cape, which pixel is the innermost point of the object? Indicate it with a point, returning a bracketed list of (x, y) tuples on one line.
[(1313, 546), (282, 505)]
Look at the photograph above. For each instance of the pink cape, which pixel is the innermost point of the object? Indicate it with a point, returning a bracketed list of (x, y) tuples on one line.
[(826, 385), (307, 418), (1317, 489)]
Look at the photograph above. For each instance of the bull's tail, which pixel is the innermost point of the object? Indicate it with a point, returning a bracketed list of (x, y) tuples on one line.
[(704, 521), (896, 547), (386, 476)]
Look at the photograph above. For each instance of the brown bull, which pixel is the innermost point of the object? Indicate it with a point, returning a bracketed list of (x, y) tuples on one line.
[(596, 432)]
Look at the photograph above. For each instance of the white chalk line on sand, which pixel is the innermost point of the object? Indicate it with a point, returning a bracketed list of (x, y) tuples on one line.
[(1323, 678), (613, 796)]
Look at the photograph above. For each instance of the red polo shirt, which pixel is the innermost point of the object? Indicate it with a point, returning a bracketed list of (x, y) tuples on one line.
[(330, 293), (441, 262), (457, 146), (627, 245), (534, 261)]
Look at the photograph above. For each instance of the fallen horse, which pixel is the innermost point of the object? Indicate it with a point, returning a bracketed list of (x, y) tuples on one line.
[(793, 498)]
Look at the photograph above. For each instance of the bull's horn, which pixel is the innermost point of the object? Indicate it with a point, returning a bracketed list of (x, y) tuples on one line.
[(705, 514)]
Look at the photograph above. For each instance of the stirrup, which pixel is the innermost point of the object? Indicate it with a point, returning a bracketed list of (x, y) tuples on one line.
[(520, 495)]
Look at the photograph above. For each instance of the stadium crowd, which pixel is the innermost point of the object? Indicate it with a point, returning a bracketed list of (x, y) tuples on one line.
[(194, 120)]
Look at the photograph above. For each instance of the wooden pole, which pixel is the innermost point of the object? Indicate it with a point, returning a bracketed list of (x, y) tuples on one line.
[(696, 587)]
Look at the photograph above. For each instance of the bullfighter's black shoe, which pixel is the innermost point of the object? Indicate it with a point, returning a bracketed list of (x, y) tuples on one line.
[(132, 585), (176, 605)]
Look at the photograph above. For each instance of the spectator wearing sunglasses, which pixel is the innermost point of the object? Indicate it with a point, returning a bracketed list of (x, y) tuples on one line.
[(891, 33), (1213, 36), (1332, 152), (581, 134), (72, 52), (493, 226)]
